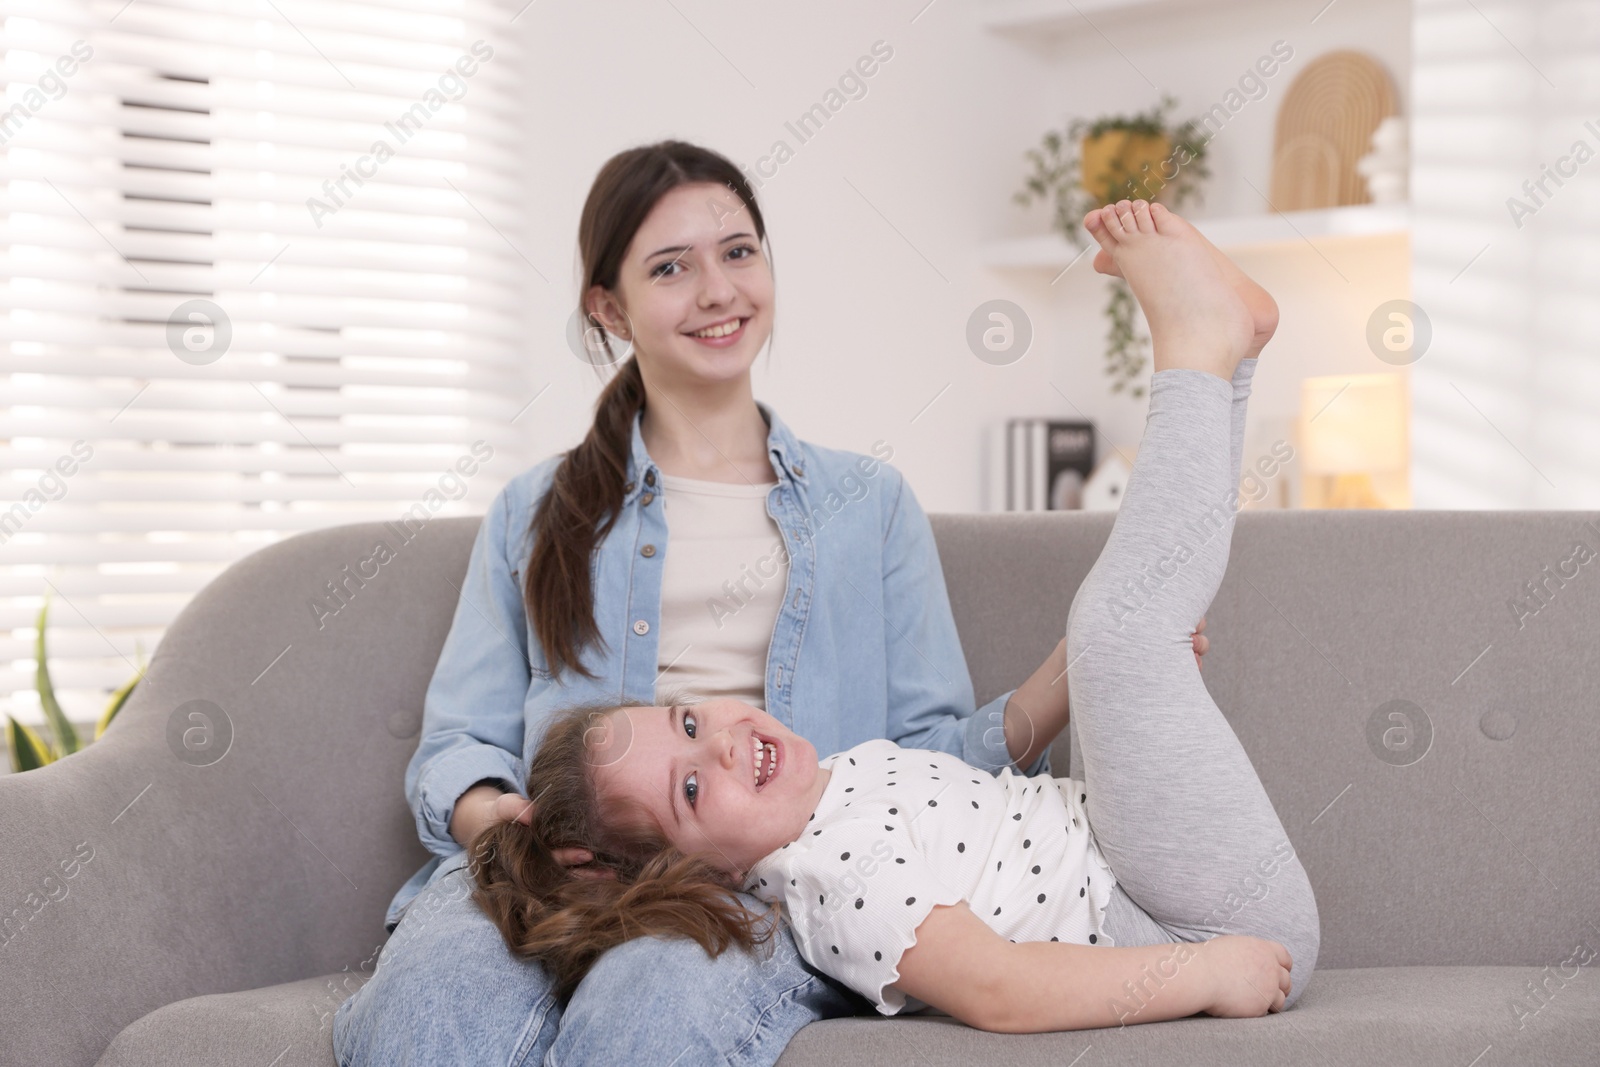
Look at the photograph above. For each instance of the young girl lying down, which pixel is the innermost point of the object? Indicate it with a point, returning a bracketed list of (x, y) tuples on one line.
[(1014, 904)]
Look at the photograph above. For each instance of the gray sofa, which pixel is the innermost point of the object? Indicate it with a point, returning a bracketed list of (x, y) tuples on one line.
[(217, 913)]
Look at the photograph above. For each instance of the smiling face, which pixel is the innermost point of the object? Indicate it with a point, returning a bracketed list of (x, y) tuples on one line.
[(695, 262), (693, 768)]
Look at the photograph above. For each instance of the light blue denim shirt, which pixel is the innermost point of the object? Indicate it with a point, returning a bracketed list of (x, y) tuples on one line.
[(864, 645)]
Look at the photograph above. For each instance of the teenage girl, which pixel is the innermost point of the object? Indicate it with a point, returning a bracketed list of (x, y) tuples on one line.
[(685, 801), (798, 579)]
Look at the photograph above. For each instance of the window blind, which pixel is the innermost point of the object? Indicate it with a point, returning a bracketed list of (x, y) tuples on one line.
[(1504, 136), (260, 275)]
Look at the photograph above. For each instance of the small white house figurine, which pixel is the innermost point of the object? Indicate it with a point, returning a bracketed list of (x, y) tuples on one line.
[(1385, 168), (1103, 491)]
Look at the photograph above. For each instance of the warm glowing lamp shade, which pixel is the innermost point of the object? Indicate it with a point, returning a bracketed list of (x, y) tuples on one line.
[(1352, 426)]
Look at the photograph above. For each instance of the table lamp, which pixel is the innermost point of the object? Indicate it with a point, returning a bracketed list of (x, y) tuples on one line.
[(1352, 427)]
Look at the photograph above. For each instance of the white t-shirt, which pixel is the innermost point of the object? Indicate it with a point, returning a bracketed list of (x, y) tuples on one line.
[(722, 584), (899, 830)]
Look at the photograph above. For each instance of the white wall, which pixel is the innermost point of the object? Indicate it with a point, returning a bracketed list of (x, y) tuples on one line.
[(877, 223), (1505, 401)]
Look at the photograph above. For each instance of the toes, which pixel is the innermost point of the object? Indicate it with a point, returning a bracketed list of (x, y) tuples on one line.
[(1109, 228), (1123, 209), (1095, 221), (1141, 217)]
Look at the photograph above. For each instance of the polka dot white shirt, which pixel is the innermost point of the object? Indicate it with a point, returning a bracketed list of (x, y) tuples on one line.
[(899, 830)]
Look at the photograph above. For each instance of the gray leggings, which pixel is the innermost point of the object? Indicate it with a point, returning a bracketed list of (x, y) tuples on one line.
[(1175, 804)]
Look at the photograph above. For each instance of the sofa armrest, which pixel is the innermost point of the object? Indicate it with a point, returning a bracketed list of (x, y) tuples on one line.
[(243, 821)]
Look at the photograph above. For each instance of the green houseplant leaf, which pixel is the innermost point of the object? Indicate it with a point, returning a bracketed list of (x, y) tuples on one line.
[(120, 697), (28, 750), (66, 736)]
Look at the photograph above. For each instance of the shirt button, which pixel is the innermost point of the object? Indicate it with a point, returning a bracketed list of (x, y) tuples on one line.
[(799, 470), (647, 551), (641, 627), (628, 488), (649, 477), (646, 498)]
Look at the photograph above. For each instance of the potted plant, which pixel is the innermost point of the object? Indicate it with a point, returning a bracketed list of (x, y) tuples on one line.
[(28, 749), (1098, 162)]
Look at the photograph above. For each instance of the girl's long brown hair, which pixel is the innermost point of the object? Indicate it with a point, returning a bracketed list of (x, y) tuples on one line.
[(585, 497), (567, 921)]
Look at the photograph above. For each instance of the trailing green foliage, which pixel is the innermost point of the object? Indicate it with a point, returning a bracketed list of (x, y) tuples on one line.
[(1057, 175)]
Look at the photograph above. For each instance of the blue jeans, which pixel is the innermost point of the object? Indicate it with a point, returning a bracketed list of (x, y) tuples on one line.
[(446, 990)]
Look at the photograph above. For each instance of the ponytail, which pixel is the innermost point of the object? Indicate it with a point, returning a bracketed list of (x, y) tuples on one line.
[(581, 506)]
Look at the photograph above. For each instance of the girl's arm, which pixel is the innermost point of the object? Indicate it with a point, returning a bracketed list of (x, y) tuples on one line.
[(962, 966), (472, 721), (1037, 710)]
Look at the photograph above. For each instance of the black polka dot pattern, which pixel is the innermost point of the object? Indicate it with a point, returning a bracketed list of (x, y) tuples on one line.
[(859, 846)]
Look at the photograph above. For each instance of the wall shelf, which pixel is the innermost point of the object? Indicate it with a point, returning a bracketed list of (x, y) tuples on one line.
[(1053, 251), (1029, 17)]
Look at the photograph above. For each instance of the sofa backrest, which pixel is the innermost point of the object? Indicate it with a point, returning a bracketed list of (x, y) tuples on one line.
[(1425, 725)]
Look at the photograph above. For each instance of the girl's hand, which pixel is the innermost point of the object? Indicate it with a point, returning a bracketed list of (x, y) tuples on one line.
[(513, 807), (1200, 643), (1249, 976)]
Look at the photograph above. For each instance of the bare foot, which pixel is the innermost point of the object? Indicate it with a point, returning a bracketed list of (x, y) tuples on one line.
[(1197, 319), (1263, 309)]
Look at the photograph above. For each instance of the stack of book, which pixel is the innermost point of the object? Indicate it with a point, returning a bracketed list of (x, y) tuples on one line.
[(1047, 462)]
